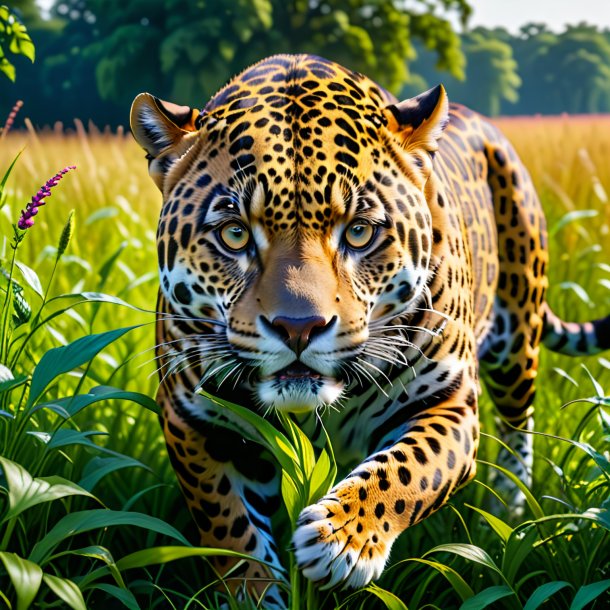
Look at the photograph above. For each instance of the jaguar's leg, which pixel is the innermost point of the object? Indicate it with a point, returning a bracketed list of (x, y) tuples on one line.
[(231, 491), (511, 366), (511, 358), (347, 535)]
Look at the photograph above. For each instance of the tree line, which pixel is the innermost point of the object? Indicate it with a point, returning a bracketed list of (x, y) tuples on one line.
[(94, 56), (535, 71)]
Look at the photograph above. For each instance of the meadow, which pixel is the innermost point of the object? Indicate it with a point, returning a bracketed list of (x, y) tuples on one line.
[(90, 512)]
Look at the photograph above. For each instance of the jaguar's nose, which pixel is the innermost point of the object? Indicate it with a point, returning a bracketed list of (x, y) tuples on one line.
[(297, 333)]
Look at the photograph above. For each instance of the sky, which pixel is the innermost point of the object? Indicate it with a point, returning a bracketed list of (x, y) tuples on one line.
[(512, 14)]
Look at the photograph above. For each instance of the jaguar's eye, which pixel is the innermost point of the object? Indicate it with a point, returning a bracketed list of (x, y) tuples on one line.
[(359, 234), (234, 236)]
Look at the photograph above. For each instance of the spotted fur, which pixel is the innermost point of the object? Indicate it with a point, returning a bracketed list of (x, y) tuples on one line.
[(323, 245)]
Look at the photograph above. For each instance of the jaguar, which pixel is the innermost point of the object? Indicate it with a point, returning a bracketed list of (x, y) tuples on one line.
[(330, 252)]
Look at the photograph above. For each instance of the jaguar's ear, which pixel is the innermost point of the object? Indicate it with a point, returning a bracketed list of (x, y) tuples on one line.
[(157, 125), (419, 122), (159, 128)]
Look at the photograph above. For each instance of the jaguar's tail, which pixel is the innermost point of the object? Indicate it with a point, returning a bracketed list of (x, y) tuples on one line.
[(575, 339)]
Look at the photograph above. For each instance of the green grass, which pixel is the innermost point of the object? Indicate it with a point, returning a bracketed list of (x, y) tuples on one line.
[(112, 251)]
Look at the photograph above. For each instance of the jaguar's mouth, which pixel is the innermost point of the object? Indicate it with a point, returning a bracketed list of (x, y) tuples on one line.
[(297, 388), (296, 371)]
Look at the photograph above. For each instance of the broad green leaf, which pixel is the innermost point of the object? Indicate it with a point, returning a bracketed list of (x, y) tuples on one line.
[(87, 520), (25, 491), (461, 587), (71, 405), (6, 67), (487, 597), (500, 527), (31, 277), (66, 590), (468, 551), (124, 596), (60, 360), (586, 594), (543, 592), (99, 467), (26, 577)]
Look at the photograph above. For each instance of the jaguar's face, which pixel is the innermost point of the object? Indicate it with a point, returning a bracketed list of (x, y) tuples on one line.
[(294, 215)]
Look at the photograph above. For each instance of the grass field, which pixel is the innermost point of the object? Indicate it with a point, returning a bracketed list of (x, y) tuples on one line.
[(112, 251)]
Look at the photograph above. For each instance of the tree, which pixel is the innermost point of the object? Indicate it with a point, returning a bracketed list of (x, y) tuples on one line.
[(110, 50), (15, 38), (491, 72)]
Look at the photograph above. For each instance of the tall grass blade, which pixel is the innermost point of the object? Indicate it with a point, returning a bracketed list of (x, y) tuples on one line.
[(87, 520), (529, 497), (519, 545), (165, 554), (97, 468), (63, 359), (124, 596), (501, 528), (71, 405), (460, 586), (469, 552), (389, 599)]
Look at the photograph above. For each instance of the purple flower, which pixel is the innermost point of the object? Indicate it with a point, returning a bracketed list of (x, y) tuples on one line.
[(26, 220)]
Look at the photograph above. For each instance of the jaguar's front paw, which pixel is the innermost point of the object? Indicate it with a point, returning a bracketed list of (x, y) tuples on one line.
[(337, 541)]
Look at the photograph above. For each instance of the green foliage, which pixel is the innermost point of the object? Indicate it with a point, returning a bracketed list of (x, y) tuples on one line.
[(14, 38), (535, 71), (225, 37), (98, 54)]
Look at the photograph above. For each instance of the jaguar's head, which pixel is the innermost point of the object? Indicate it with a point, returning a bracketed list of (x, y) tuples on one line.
[(295, 215)]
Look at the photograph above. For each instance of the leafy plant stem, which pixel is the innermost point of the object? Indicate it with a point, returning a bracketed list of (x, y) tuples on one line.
[(6, 308), (295, 581), (46, 292), (10, 526)]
